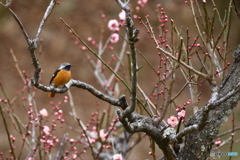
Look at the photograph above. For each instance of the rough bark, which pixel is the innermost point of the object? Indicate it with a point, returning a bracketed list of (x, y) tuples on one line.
[(198, 144)]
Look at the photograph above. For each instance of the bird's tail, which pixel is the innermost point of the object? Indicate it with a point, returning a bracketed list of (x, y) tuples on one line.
[(51, 94)]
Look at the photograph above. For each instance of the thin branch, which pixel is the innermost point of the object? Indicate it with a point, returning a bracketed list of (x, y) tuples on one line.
[(203, 63), (169, 100), (227, 132), (62, 146), (180, 91), (232, 135), (89, 143), (121, 102), (205, 76), (187, 130), (8, 133), (16, 65), (71, 103), (149, 102), (197, 25), (148, 62), (45, 17), (120, 58), (132, 39), (21, 26)]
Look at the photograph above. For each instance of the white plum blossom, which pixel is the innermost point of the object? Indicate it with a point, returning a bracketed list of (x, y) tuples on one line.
[(117, 157), (122, 15)]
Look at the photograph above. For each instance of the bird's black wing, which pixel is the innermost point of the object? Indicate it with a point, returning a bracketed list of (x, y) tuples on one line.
[(54, 75)]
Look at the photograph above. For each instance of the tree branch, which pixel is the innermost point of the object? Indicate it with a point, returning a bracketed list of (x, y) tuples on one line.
[(7, 5), (32, 44), (120, 102), (132, 39), (45, 17)]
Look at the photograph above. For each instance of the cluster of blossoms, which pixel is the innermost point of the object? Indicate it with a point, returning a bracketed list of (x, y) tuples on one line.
[(94, 135), (173, 121), (140, 4), (47, 138), (114, 25)]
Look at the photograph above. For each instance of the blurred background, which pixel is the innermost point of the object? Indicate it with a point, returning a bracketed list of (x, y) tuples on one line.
[(58, 46)]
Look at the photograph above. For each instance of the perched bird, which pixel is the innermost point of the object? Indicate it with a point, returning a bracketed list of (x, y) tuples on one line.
[(61, 76)]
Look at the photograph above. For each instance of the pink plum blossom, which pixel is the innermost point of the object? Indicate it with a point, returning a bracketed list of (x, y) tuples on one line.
[(117, 157), (44, 112), (50, 142), (74, 156), (12, 138), (71, 140), (91, 140), (46, 130), (173, 121), (122, 15), (114, 38), (182, 113), (103, 135), (84, 48), (113, 25), (217, 143)]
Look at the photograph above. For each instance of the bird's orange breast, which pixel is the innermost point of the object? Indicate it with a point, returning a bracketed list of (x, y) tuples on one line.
[(62, 78)]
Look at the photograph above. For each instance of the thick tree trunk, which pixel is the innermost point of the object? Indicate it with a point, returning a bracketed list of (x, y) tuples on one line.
[(198, 144)]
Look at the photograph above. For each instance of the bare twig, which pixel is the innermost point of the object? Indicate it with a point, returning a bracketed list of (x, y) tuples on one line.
[(16, 65), (90, 145), (122, 53), (227, 132), (21, 26), (183, 63), (8, 133), (61, 148), (169, 100), (232, 135), (180, 91), (44, 19), (148, 101), (71, 102)]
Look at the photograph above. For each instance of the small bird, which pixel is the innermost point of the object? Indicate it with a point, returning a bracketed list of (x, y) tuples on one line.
[(61, 76)]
